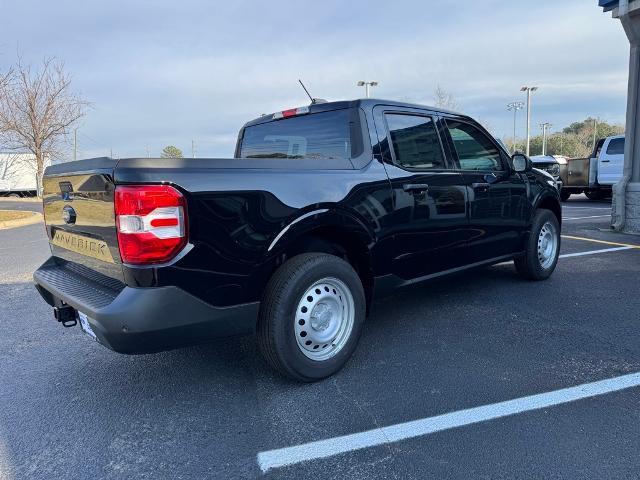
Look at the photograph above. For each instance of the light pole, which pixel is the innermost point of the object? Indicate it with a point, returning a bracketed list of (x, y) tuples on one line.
[(544, 127), (75, 144), (528, 90), (515, 106), (366, 86)]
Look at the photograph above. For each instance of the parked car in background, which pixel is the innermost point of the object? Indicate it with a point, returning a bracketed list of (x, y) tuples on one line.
[(323, 208), (18, 175), (595, 175), (549, 164)]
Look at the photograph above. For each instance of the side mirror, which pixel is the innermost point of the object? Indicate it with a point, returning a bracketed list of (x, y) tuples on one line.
[(520, 162)]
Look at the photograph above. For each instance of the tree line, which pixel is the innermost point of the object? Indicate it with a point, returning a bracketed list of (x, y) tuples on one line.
[(575, 141)]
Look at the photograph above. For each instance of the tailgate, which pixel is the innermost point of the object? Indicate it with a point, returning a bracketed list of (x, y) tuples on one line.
[(79, 214)]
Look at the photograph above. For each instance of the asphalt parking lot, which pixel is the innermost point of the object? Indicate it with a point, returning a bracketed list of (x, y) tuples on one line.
[(70, 408)]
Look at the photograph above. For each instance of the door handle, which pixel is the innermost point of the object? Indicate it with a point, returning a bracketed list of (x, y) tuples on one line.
[(482, 186), (415, 187), (605, 161)]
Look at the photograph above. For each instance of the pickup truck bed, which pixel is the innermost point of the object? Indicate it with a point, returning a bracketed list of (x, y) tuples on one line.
[(595, 175)]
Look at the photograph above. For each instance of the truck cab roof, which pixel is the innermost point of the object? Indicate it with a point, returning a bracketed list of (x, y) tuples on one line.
[(365, 103)]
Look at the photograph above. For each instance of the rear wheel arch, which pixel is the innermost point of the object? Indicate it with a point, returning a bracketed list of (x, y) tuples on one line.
[(335, 234)]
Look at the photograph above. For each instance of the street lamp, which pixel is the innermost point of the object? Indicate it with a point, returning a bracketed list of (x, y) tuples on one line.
[(366, 86), (528, 90), (544, 126), (515, 106)]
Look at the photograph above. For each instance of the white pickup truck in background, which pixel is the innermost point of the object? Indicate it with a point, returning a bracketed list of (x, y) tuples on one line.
[(595, 175)]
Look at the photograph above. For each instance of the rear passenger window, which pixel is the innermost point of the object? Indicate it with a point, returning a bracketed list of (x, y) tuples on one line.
[(324, 135), (616, 147), (415, 142), (475, 150)]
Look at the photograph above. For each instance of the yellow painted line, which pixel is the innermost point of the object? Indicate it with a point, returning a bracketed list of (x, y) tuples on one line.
[(570, 237)]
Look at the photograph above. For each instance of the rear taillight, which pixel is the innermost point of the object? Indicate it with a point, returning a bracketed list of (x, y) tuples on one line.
[(152, 223)]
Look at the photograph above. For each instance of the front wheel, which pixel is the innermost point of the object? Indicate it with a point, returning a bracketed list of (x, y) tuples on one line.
[(542, 248), (564, 194), (311, 316)]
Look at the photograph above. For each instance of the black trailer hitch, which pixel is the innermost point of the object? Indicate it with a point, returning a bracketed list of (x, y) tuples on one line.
[(66, 315)]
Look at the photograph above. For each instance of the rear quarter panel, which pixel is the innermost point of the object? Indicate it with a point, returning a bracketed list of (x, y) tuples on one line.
[(236, 211)]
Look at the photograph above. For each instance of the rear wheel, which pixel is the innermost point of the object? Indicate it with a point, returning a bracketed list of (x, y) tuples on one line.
[(564, 194), (542, 247), (311, 316)]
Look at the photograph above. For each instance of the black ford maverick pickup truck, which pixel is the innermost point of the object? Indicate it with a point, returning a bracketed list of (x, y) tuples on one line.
[(323, 208)]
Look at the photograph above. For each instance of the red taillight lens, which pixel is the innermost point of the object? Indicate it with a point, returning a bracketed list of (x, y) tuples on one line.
[(152, 223)]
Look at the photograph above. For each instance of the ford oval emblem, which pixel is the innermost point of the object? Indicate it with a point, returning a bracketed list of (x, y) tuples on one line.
[(69, 215)]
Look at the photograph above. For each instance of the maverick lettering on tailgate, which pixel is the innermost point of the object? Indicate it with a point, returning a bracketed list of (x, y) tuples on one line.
[(83, 245)]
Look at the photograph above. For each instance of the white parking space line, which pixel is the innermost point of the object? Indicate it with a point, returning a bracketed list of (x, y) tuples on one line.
[(586, 208), (393, 433), (595, 252), (582, 218), (588, 252)]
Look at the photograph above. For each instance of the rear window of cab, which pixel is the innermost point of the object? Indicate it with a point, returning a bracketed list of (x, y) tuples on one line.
[(323, 135)]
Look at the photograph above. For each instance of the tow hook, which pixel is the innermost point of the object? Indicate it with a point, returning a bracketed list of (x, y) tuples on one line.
[(65, 315)]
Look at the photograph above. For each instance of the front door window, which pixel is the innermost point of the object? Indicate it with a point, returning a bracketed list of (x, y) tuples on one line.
[(475, 150)]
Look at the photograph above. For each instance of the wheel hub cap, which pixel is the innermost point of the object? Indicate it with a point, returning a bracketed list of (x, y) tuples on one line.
[(321, 316), (547, 245), (324, 319)]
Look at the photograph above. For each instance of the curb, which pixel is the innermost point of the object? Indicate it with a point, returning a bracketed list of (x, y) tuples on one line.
[(21, 222), (21, 199)]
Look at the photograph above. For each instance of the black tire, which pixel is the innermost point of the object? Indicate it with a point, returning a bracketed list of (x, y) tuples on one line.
[(278, 313), (564, 194), (529, 265), (594, 194)]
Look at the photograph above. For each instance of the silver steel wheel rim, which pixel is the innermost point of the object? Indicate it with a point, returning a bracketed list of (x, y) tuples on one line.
[(547, 245), (324, 319)]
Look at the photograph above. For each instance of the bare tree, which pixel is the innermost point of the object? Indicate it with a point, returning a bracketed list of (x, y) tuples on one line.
[(38, 108), (5, 79), (445, 99)]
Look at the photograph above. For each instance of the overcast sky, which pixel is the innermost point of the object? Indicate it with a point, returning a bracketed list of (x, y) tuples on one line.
[(160, 73)]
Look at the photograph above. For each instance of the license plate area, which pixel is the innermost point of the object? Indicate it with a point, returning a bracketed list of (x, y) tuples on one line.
[(85, 325)]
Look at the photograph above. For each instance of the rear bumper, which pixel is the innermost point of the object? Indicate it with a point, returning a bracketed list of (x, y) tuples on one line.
[(140, 320)]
